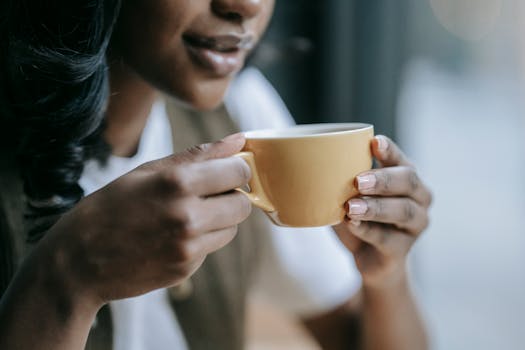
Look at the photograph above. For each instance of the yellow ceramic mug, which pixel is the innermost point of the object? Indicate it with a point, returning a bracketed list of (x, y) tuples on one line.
[(303, 175)]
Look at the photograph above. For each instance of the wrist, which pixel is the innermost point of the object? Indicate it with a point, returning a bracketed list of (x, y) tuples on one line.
[(41, 302), (56, 278), (388, 282)]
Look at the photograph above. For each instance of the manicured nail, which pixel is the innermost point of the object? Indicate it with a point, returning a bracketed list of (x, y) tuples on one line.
[(382, 143), (357, 207), (356, 223), (366, 182)]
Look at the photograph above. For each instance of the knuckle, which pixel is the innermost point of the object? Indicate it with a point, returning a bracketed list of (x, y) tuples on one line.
[(409, 212), (182, 252), (188, 227), (182, 217), (176, 179), (413, 180), (198, 150), (388, 139), (384, 181), (390, 149), (245, 206), (242, 171), (376, 208)]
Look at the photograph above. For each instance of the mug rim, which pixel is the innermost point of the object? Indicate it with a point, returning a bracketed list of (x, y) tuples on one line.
[(263, 134)]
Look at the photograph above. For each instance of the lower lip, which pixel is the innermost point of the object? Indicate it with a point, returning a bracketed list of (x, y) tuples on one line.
[(220, 63)]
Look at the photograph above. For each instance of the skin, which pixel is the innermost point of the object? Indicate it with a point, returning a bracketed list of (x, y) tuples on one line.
[(181, 208), (380, 237)]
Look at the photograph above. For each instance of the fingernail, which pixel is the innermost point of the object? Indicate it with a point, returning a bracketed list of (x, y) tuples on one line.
[(356, 223), (357, 207), (366, 182), (382, 143)]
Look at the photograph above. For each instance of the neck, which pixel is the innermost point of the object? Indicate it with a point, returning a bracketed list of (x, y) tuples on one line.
[(129, 106)]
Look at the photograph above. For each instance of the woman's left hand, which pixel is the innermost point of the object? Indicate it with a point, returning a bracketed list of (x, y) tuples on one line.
[(387, 218)]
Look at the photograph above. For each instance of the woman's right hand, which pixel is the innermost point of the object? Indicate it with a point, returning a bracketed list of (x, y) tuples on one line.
[(154, 226)]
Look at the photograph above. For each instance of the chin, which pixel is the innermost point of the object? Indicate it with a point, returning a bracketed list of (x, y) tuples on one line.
[(207, 104), (203, 95)]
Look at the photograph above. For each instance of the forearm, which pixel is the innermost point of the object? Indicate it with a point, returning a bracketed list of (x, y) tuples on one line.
[(40, 311), (390, 318)]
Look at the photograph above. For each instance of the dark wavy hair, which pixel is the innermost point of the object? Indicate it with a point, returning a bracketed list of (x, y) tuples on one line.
[(54, 78)]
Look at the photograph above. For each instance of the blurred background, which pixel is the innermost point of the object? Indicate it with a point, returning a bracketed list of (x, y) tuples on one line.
[(445, 78)]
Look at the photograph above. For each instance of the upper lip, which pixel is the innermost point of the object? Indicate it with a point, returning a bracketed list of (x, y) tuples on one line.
[(228, 42)]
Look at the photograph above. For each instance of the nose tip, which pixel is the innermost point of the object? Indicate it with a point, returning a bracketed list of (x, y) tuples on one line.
[(237, 9)]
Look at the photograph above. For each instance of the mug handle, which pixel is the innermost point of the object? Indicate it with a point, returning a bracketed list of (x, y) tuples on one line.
[(256, 194)]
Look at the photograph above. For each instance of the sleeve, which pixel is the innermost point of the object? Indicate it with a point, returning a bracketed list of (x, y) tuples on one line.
[(303, 271)]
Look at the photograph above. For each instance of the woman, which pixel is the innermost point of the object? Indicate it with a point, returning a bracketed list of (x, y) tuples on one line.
[(153, 227)]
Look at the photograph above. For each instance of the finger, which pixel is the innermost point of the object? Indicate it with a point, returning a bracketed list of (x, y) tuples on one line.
[(211, 177), (181, 272), (388, 153), (404, 213), (394, 181), (386, 238), (211, 241), (222, 211), (350, 241), (219, 149)]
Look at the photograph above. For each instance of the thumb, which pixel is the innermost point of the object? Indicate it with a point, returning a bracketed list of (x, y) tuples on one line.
[(226, 147)]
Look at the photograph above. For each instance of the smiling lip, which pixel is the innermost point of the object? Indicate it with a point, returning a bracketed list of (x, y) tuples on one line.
[(222, 54)]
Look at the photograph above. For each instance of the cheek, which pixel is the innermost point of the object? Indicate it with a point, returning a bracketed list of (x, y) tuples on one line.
[(172, 71), (266, 15), (148, 38), (163, 62)]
